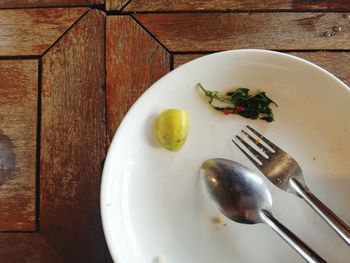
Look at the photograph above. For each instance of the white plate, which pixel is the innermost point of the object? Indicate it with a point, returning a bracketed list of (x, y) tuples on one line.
[(152, 203)]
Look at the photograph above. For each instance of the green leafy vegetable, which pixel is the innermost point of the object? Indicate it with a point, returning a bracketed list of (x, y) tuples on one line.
[(240, 102)]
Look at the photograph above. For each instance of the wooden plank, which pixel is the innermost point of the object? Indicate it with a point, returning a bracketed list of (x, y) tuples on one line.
[(28, 248), (44, 3), (73, 141), (134, 61), (192, 32), (180, 59), (26, 32), (18, 122), (186, 5), (115, 4), (334, 62)]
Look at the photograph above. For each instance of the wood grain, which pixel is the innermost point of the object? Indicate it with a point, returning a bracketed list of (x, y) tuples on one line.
[(26, 248), (73, 141), (26, 32), (116, 4), (192, 32), (177, 5), (42, 3), (332, 61), (180, 59), (18, 123), (134, 62)]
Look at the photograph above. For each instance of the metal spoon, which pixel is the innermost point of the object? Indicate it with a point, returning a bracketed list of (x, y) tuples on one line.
[(243, 196)]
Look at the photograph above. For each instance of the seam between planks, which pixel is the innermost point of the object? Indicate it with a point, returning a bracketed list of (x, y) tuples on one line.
[(93, 6), (38, 149), (125, 5), (151, 34), (65, 32), (228, 11)]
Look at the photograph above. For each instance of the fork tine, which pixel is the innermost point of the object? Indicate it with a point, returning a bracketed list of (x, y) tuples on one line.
[(248, 156), (251, 149), (264, 139), (261, 146)]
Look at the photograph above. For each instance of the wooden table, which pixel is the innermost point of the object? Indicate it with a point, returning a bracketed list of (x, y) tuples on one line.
[(70, 70)]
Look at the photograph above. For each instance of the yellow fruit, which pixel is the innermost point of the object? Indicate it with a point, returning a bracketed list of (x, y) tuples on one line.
[(172, 129)]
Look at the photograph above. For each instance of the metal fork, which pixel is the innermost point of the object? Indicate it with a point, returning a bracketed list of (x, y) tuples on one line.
[(284, 172)]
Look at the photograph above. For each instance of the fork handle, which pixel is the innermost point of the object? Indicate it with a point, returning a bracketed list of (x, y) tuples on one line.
[(304, 250), (332, 219)]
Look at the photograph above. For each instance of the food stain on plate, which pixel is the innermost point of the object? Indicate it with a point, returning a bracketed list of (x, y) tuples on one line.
[(335, 148), (158, 259), (219, 220)]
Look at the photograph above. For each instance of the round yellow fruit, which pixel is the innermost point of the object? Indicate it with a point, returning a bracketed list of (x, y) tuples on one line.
[(172, 129)]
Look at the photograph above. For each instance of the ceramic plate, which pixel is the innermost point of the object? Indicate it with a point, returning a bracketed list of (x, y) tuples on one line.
[(153, 206)]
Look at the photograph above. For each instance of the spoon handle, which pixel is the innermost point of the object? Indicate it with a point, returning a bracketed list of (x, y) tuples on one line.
[(332, 219), (304, 250)]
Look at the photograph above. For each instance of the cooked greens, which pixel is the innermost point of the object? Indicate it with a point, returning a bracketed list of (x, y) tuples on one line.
[(240, 102)]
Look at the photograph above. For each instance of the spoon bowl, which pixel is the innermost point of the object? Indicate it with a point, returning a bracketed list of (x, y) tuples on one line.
[(240, 193), (243, 196)]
